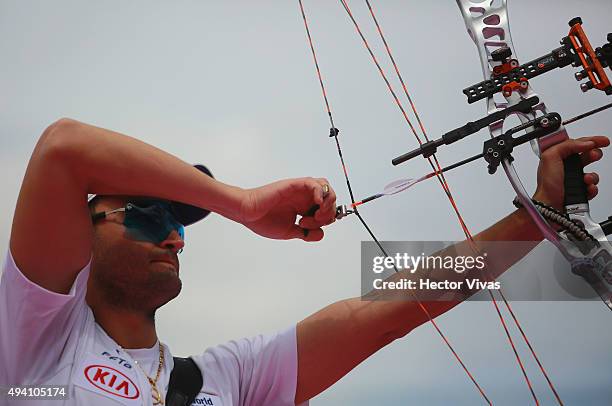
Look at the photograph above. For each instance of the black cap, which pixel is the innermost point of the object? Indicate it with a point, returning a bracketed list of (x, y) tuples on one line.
[(187, 214)]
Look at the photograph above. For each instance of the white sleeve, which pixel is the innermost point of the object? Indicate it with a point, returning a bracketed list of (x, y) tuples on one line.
[(37, 326), (257, 371)]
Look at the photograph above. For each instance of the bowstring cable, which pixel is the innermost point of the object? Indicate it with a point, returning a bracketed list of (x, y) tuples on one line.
[(446, 188), (466, 230), (436, 167), (468, 234), (334, 133)]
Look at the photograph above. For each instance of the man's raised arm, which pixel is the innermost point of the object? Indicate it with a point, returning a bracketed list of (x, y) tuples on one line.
[(51, 237)]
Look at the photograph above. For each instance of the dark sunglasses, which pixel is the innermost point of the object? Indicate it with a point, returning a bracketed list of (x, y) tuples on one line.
[(147, 220)]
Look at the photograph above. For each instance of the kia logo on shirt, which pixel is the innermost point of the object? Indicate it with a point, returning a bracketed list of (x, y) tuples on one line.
[(112, 381)]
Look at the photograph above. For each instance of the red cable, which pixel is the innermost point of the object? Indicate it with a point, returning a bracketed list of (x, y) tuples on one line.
[(501, 293), (446, 188), (439, 175), (420, 304)]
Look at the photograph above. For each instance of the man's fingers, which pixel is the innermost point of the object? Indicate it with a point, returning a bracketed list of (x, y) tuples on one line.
[(569, 147), (327, 211), (311, 235), (297, 232), (329, 201), (592, 191), (591, 178), (311, 212), (321, 190), (309, 223), (591, 156), (323, 210), (601, 141), (312, 222), (314, 187), (327, 214), (577, 146)]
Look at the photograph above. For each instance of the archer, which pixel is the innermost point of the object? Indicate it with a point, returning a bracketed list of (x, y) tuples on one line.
[(82, 280)]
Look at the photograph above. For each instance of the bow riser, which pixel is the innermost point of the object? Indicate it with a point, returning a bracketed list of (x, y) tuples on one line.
[(489, 28)]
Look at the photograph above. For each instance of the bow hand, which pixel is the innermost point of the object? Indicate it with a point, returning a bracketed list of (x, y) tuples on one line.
[(554, 161)]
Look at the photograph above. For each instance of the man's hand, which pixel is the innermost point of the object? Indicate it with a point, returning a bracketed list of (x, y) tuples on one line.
[(551, 172), (272, 210)]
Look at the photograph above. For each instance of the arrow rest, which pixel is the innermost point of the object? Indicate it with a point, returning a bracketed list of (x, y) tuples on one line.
[(500, 148)]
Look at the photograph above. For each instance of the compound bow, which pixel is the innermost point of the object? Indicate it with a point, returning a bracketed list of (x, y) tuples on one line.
[(488, 26), (582, 241)]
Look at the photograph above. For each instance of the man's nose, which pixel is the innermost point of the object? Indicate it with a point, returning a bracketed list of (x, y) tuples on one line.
[(173, 242)]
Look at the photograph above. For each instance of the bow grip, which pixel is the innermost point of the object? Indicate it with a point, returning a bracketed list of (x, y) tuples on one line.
[(575, 188)]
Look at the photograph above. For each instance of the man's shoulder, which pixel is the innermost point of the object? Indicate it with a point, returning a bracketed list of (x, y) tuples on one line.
[(263, 368), (13, 280), (39, 329), (249, 346)]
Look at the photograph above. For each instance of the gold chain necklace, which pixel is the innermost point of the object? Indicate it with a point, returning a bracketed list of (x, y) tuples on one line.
[(157, 398)]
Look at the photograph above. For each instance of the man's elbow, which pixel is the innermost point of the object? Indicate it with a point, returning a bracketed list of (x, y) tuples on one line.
[(57, 139)]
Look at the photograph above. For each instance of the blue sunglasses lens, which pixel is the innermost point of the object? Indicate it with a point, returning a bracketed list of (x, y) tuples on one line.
[(151, 221)]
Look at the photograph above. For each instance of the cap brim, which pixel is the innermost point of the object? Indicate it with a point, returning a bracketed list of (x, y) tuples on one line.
[(187, 214)]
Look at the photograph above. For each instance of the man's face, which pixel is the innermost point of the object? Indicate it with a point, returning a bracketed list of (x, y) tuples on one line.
[(132, 274)]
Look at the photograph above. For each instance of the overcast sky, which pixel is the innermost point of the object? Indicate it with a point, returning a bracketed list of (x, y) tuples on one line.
[(231, 84)]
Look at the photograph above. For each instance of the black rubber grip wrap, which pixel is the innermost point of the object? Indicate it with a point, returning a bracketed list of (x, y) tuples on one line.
[(575, 188)]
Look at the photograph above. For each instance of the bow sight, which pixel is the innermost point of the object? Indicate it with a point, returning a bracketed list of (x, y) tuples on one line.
[(576, 50), (583, 241)]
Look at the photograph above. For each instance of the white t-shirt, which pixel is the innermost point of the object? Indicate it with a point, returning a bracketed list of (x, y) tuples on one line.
[(48, 338)]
